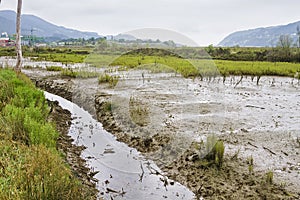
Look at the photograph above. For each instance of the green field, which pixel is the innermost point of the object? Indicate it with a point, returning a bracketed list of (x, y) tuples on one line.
[(228, 61), (199, 67), (257, 68)]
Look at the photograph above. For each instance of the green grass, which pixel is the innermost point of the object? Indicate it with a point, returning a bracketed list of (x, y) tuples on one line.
[(106, 78), (257, 68), (79, 73), (30, 165), (269, 177), (59, 57), (157, 60), (205, 68), (211, 152), (182, 66), (99, 60), (215, 151), (54, 68)]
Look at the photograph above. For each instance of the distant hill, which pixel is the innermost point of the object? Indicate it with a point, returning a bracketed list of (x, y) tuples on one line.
[(261, 37), (40, 27)]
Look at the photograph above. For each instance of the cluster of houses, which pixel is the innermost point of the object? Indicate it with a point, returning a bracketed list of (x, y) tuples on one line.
[(5, 40)]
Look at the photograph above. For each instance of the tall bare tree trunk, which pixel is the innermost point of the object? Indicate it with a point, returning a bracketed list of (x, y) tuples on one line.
[(18, 37)]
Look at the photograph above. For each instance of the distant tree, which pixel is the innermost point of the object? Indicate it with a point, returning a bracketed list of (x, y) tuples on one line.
[(298, 51), (210, 49), (285, 43), (298, 34), (102, 44)]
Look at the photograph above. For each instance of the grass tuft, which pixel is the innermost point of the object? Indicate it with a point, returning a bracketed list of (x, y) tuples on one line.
[(106, 78), (79, 73), (54, 68)]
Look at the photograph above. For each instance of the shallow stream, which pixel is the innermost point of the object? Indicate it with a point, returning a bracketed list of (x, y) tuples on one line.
[(123, 173)]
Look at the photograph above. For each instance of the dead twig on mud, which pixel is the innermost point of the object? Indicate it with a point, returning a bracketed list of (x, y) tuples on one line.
[(257, 81), (142, 175), (235, 156), (252, 144), (109, 190), (199, 192), (265, 148), (239, 81), (250, 106), (286, 154), (164, 179)]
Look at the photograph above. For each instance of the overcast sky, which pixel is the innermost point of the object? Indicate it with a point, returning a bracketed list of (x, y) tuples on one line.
[(204, 21)]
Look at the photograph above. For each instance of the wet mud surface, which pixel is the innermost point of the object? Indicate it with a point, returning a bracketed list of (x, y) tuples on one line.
[(253, 121)]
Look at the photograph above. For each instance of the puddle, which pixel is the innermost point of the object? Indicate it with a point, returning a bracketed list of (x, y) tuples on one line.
[(123, 172), (10, 61)]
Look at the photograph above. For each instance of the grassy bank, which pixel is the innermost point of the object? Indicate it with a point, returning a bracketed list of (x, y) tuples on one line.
[(30, 165), (257, 68), (198, 67)]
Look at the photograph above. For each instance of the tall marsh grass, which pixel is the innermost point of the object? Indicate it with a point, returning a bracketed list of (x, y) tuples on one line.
[(30, 165)]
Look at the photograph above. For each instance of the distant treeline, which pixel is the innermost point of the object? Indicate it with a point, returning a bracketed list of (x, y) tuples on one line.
[(275, 54), (271, 54)]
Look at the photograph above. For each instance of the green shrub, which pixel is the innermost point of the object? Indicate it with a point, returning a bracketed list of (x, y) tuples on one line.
[(106, 78), (79, 73)]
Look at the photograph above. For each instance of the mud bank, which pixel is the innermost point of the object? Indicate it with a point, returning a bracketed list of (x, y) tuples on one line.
[(62, 119), (232, 181)]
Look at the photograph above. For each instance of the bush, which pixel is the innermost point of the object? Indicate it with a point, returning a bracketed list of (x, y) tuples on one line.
[(106, 78), (79, 73)]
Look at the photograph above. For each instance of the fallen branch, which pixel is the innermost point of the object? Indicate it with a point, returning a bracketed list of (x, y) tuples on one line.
[(239, 81), (284, 153), (142, 175), (108, 190), (252, 144), (265, 148), (250, 106)]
